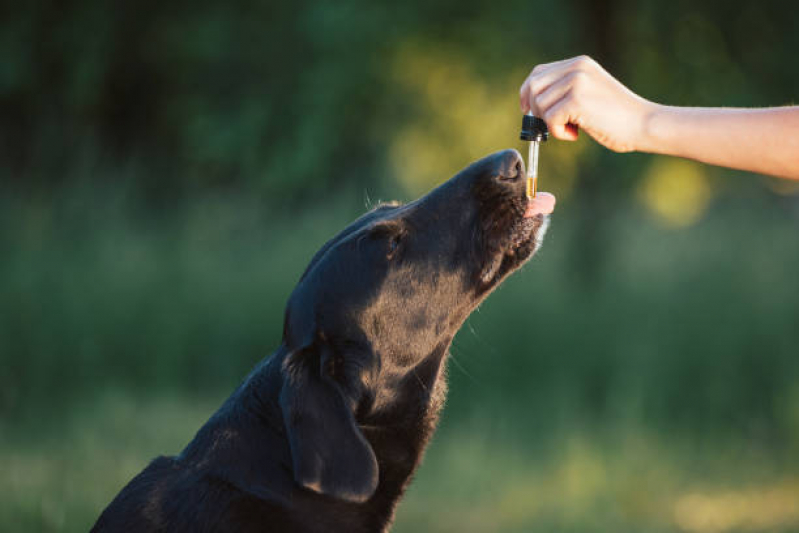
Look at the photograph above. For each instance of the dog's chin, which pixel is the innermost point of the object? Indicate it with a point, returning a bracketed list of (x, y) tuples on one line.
[(520, 242)]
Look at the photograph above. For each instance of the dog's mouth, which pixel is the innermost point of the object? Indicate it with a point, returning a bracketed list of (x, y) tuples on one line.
[(512, 234)]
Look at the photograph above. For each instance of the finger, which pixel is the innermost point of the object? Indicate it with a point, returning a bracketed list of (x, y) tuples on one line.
[(562, 67), (554, 64), (544, 74), (538, 83), (534, 86), (524, 96), (572, 130), (557, 90), (561, 118)]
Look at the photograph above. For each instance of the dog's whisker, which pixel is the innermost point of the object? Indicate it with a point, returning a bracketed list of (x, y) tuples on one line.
[(473, 331), (484, 346), (425, 387), (462, 368)]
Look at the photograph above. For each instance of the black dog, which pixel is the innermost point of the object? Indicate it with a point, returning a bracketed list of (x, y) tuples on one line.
[(324, 435)]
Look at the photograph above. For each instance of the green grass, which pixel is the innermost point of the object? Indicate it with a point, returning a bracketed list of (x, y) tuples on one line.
[(479, 476), (654, 388), (56, 475), (478, 480)]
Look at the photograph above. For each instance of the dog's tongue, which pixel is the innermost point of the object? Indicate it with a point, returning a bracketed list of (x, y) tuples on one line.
[(542, 204)]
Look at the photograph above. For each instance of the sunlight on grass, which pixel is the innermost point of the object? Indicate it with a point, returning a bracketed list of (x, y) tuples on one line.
[(460, 117), (472, 480), (676, 191), (751, 509), (61, 481), (637, 483)]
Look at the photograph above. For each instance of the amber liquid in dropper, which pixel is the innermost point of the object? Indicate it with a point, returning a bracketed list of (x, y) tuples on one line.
[(532, 170)]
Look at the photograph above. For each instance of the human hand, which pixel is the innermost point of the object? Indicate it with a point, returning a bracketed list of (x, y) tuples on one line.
[(578, 93)]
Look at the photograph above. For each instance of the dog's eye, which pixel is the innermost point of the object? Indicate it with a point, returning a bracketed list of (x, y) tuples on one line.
[(394, 244), (390, 237)]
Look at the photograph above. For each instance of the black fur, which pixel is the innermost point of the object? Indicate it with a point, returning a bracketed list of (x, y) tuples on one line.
[(324, 435)]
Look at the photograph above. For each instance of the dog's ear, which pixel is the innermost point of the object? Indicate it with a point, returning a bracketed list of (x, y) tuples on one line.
[(329, 453)]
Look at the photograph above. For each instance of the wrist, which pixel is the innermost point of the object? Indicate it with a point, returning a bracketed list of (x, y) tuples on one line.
[(654, 128)]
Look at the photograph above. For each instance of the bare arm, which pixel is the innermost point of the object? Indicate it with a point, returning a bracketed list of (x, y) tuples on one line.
[(759, 140), (579, 93)]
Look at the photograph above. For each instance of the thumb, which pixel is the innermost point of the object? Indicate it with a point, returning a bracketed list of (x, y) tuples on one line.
[(560, 119), (565, 132), (572, 130)]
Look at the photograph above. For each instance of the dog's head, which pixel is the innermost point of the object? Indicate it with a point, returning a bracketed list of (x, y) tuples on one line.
[(378, 306)]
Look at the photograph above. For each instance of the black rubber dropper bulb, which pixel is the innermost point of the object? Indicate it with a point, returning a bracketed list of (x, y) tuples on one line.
[(533, 129)]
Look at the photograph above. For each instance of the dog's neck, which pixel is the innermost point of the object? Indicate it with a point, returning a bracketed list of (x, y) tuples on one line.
[(400, 446), (398, 439)]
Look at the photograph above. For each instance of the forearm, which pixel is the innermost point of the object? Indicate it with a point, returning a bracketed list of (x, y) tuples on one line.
[(758, 140)]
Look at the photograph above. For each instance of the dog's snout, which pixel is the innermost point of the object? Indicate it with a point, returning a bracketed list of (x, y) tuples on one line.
[(508, 166)]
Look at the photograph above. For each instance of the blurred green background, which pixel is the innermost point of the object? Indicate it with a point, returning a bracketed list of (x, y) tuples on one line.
[(168, 169)]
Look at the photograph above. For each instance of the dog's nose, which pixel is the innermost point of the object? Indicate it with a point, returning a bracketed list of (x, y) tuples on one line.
[(508, 165)]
